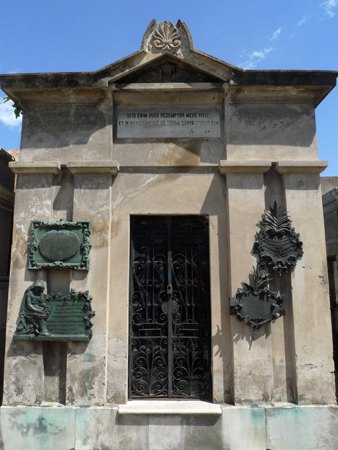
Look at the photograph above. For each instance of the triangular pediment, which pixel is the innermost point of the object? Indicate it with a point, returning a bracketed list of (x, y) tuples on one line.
[(167, 55), (168, 69)]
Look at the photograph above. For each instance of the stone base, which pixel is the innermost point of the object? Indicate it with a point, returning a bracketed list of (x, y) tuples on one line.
[(235, 428)]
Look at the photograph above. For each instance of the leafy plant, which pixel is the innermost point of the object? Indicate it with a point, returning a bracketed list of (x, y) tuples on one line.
[(17, 109)]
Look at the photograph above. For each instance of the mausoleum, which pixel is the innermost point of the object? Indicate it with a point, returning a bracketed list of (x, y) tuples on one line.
[(168, 285)]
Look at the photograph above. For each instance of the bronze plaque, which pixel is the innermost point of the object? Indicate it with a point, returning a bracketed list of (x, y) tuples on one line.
[(54, 317), (59, 245)]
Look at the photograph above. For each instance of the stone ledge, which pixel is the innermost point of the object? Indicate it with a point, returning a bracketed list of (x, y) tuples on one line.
[(169, 407), (249, 166), (301, 166), (53, 167), (282, 427), (110, 167)]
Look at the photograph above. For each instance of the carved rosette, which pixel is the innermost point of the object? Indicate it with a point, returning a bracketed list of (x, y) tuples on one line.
[(277, 244), (166, 37)]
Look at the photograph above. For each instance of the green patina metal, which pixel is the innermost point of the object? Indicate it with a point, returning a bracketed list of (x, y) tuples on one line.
[(59, 245), (255, 303), (54, 317), (276, 246)]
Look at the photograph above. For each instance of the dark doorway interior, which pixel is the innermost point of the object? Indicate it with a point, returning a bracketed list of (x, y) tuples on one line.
[(169, 308)]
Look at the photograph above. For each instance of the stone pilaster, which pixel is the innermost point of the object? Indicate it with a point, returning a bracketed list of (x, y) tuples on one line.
[(310, 290), (252, 359), (86, 364), (24, 369)]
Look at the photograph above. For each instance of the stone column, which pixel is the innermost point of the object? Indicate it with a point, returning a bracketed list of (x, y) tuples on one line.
[(253, 371), (310, 290), (86, 364), (24, 370)]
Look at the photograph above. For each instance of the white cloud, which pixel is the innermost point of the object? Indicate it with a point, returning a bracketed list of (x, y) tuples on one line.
[(276, 34), (302, 21), (329, 6), (7, 116), (255, 57)]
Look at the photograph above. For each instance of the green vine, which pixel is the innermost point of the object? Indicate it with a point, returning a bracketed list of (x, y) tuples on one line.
[(17, 109)]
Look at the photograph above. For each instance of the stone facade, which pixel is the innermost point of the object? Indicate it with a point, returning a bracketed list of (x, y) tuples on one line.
[(330, 207), (170, 131), (6, 223)]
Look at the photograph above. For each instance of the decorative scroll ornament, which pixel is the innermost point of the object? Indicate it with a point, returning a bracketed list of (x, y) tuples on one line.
[(166, 37), (54, 317), (255, 304), (59, 245), (277, 244)]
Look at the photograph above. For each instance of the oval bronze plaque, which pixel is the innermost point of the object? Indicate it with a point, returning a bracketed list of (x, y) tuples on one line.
[(59, 245)]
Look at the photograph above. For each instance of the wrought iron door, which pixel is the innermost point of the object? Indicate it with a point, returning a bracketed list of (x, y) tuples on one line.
[(170, 308)]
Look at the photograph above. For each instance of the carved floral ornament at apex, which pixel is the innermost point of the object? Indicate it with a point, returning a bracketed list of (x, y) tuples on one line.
[(164, 37), (277, 245)]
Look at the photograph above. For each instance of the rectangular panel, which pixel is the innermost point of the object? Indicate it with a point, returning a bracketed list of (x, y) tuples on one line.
[(171, 122), (148, 323)]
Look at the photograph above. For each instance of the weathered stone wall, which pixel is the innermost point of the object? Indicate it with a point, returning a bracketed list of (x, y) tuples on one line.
[(267, 152), (6, 222)]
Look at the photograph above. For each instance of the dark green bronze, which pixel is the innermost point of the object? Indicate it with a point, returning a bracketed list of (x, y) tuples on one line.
[(255, 304), (54, 317), (277, 244), (59, 245), (34, 312)]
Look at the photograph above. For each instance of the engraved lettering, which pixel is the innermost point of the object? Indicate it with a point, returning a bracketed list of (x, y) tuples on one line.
[(174, 123)]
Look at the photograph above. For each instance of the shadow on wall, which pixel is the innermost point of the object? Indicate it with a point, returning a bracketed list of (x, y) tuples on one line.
[(7, 180)]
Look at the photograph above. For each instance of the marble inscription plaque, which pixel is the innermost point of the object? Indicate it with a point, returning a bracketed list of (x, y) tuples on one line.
[(171, 122)]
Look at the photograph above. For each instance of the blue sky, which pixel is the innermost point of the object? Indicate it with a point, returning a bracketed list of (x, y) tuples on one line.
[(73, 35)]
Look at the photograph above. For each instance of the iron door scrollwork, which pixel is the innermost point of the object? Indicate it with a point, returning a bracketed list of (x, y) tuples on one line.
[(170, 308)]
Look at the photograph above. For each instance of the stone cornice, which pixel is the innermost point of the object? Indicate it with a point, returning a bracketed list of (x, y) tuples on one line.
[(301, 166), (262, 166), (245, 166), (19, 167), (97, 167)]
